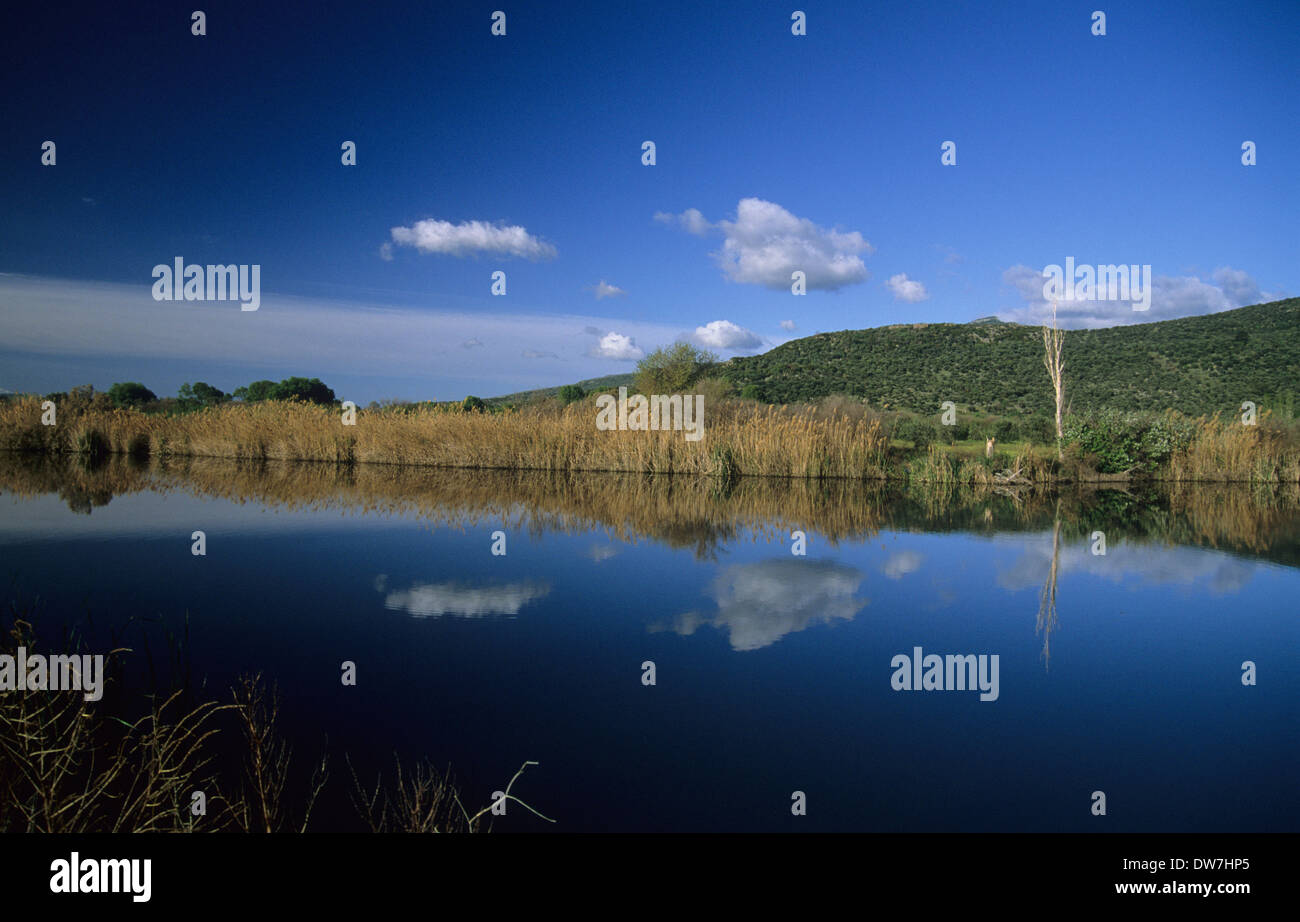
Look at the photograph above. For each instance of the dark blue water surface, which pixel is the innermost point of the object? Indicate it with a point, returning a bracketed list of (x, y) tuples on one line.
[(773, 671)]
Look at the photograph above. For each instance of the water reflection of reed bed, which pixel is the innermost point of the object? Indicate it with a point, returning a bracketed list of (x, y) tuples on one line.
[(681, 512), (1255, 519), (697, 513)]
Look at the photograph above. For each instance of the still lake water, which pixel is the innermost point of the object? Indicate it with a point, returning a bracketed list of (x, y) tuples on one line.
[(773, 671)]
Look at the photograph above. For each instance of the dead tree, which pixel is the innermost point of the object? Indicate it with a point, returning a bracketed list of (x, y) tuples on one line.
[(1053, 340)]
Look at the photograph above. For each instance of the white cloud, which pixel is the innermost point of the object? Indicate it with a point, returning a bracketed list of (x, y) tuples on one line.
[(723, 334), (1140, 563), (538, 354), (386, 252), (759, 603), (787, 324), (900, 564), (906, 289), (425, 600), (617, 346), (766, 244), (471, 344), (1237, 286), (605, 290), (690, 220), (602, 552), (433, 236), (1181, 296)]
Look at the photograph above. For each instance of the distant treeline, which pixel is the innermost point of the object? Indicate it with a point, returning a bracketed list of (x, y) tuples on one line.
[(190, 397), (132, 395)]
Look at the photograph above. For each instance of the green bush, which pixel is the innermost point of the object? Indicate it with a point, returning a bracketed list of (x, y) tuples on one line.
[(1039, 429), (920, 432), (130, 394), (672, 369), (1121, 441), (1006, 430)]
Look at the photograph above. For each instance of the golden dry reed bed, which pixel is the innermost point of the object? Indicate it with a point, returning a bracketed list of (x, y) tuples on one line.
[(740, 438)]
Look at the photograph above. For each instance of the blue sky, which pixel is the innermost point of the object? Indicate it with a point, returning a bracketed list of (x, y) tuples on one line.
[(523, 153)]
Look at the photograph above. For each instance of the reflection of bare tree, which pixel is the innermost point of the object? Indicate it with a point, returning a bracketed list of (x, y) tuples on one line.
[(1047, 599)]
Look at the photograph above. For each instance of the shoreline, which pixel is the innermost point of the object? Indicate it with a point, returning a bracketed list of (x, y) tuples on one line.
[(742, 439)]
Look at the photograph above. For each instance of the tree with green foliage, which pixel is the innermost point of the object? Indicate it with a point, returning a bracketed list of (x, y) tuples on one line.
[(309, 389), (131, 394), (571, 392), (472, 404), (201, 394), (672, 369), (258, 390)]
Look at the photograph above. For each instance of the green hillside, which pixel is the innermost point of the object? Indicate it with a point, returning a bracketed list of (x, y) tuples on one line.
[(591, 384), (1197, 365)]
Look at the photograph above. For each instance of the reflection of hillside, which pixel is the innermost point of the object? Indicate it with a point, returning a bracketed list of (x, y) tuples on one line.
[(695, 513)]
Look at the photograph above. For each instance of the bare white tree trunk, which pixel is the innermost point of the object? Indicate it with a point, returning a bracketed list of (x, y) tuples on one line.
[(1053, 340)]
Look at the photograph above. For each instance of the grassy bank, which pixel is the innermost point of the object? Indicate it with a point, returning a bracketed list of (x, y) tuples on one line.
[(741, 438)]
